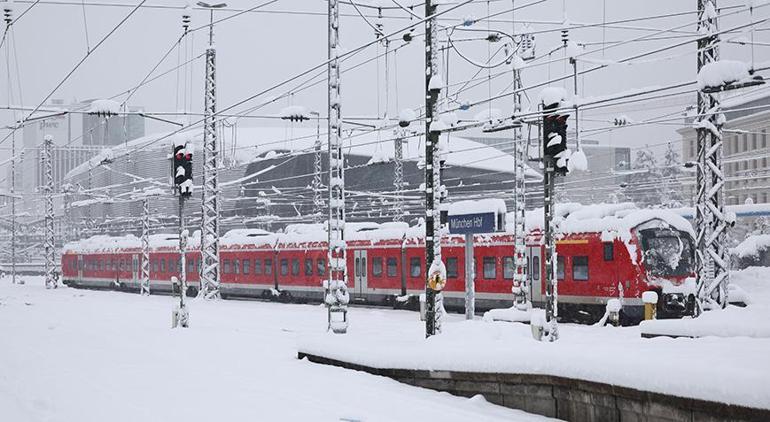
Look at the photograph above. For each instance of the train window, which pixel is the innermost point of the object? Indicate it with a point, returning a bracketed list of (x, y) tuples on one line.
[(284, 266), (154, 263), (609, 251), (268, 266), (364, 268), (136, 265), (580, 268), (559, 267), (163, 265), (490, 271), (536, 268), (320, 266), (509, 270), (295, 266), (191, 265), (377, 267), (246, 266), (236, 266), (258, 266), (414, 267), (308, 266), (392, 265), (226, 266), (451, 267)]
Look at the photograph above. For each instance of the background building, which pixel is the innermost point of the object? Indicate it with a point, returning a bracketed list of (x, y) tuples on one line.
[(746, 153)]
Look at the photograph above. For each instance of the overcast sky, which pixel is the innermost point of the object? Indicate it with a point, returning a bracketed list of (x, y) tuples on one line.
[(257, 50)]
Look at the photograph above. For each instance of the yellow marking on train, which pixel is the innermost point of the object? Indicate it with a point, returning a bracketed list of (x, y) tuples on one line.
[(572, 242)]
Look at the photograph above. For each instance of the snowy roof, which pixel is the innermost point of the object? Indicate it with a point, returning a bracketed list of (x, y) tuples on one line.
[(253, 144), (609, 219), (752, 246)]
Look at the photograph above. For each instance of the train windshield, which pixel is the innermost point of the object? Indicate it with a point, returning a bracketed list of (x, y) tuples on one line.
[(667, 252)]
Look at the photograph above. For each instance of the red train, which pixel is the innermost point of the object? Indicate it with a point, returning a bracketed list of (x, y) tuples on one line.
[(604, 252)]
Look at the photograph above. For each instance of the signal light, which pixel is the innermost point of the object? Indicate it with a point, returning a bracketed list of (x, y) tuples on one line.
[(555, 137), (181, 170)]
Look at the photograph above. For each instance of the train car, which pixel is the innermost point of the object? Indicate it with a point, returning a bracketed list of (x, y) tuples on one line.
[(603, 252)]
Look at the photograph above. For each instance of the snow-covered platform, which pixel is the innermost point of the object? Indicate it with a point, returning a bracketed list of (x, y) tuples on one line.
[(94, 356), (590, 372)]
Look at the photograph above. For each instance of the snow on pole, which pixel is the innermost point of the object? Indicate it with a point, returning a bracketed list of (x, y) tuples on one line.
[(50, 252), (144, 289), (318, 201), (432, 167), (336, 296), (520, 288), (711, 259), (210, 199)]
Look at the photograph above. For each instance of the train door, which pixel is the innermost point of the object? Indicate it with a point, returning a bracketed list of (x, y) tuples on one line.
[(534, 273), (359, 268), (80, 267), (135, 268)]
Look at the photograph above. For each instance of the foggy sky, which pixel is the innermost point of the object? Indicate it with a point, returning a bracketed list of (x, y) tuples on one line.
[(257, 50)]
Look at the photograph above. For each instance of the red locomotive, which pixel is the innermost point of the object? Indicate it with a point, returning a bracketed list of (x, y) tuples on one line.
[(604, 252)]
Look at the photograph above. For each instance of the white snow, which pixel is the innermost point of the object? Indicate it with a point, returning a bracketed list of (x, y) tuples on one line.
[(552, 95), (89, 356), (751, 286), (106, 107), (578, 161), (294, 112), (487, 205), (618, 356), (722, 72), (407, 115), (752, 245), (649, 297), (574, 49)]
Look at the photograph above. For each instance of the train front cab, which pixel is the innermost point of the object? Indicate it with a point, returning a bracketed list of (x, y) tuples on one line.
[(667, 256)]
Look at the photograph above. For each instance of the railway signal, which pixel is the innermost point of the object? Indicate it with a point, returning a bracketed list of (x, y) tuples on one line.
[(555, 138), (182, 170)]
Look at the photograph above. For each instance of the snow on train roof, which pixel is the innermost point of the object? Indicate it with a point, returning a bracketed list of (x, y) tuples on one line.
[(104, 243), (254, 144), (613, 220)]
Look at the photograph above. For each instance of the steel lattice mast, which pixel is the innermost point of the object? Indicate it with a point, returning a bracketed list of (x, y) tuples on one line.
[(519, 199), (336, 290), (210, 200), (50, 251), (7, 16), (145, 266), (432, 167), (398, 176), (712, 262), (318, 200)]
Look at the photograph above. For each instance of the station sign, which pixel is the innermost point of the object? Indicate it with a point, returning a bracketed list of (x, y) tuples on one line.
[(473, 223)]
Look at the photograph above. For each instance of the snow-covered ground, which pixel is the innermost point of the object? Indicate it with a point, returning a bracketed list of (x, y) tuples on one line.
[(733, 369), (78, 355)]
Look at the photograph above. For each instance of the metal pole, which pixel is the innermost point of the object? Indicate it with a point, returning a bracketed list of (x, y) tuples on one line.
[(145, 268), (432, 167), (50, 252), (550, 247), (470, 284), (398, 177), (210, 202), (521, 298), (712, 261), (336, 295), (7, 13), (182, 314), (318, 202), (13, 207)]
